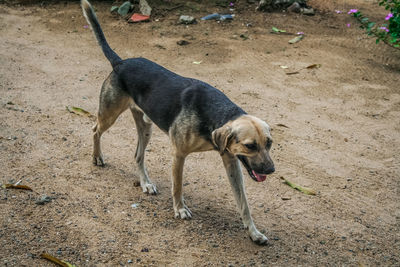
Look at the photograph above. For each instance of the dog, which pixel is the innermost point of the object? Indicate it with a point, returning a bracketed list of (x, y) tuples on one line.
[(196, 116)]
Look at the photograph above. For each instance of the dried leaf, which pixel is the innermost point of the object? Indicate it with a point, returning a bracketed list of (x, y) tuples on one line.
[(16, 186), (197, 62), (284, 67), (282, 125), (305, 190), (291, 73), (314, 66), (296, 39), (56, 261), (79, 111)]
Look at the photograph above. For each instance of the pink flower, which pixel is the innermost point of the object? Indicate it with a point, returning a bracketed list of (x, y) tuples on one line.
[(348, 25), (390, 15), (352, 11), (85, 26), (384, 28), (231, 4), (338, 12), (300, 33)]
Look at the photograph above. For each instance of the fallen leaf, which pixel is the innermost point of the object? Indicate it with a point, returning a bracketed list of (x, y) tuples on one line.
[(286, 198), (314, 66), (197, 62), (274, 29), (305, 190), (284, 67), (282, 125), (16, 186), (79, 111), (56, 261), (296, 39), (291, 73)]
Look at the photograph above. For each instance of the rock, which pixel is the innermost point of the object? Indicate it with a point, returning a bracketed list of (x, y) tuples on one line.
[(295, 7), (114, 9), (308, 11), (184, 19), (124, 9), (43, 200), (144, 7)]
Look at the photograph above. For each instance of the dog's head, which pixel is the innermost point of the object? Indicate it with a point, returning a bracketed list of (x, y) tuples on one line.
[(249, 139)]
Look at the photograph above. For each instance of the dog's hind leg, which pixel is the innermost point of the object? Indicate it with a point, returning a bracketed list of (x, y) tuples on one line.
[(235, 176), (113, 102), (144, 133)]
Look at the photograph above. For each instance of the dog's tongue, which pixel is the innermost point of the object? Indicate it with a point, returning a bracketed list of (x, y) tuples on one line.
[(259, 177)]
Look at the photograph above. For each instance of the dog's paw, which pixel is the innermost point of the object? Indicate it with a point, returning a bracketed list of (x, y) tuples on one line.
[(98, 161), (149, 188), (183, 213), (258, 238)]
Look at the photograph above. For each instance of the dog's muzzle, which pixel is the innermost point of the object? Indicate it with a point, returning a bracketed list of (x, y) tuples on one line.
[(258, 177)]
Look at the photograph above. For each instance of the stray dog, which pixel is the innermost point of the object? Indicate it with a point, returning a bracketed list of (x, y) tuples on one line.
[(196, 116)]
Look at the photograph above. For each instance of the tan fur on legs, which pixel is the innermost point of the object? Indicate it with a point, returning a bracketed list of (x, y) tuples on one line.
[(112, 103), (143, 127), (234, 173), (181, 211)]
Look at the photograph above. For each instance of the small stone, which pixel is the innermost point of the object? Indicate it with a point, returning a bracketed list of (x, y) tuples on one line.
[(295, 7), (114, 9), (130, 261), (123, 10), (308, 11), (182, 42), (144, 8), (184, 19), (144, 250), (43, 200)]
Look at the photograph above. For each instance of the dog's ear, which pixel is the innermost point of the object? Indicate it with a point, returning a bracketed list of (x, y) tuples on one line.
[(221, 138)]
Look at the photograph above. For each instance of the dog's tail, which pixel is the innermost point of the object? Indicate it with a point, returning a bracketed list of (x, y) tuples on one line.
[(91, 18)]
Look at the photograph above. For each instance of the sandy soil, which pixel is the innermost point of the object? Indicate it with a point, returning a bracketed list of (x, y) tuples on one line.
[(342, 139)]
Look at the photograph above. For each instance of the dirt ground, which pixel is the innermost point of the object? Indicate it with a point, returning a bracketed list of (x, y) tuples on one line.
[(342, 139)]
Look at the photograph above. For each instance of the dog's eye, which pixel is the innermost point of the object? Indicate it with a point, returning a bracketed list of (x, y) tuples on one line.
[(269, 144), (251, 146)]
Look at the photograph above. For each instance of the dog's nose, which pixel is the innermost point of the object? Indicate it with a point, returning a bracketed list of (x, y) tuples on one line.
[(270, 170)]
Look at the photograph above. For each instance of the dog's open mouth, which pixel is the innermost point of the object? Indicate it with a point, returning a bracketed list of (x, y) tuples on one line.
[(253, 174)]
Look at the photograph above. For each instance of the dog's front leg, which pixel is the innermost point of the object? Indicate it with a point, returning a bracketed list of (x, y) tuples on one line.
[(181, 211), (235, 176)]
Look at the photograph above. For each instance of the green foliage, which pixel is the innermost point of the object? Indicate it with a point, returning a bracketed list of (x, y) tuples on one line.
[(389, 32)]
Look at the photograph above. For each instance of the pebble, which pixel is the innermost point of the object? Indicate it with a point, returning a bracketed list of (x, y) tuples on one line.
[(184, 19), (43, 200)]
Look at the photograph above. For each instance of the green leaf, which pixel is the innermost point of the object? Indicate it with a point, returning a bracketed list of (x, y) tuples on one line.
[(277, 30), (79, 111), (305, 190), (364, 20), (371, 24)]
